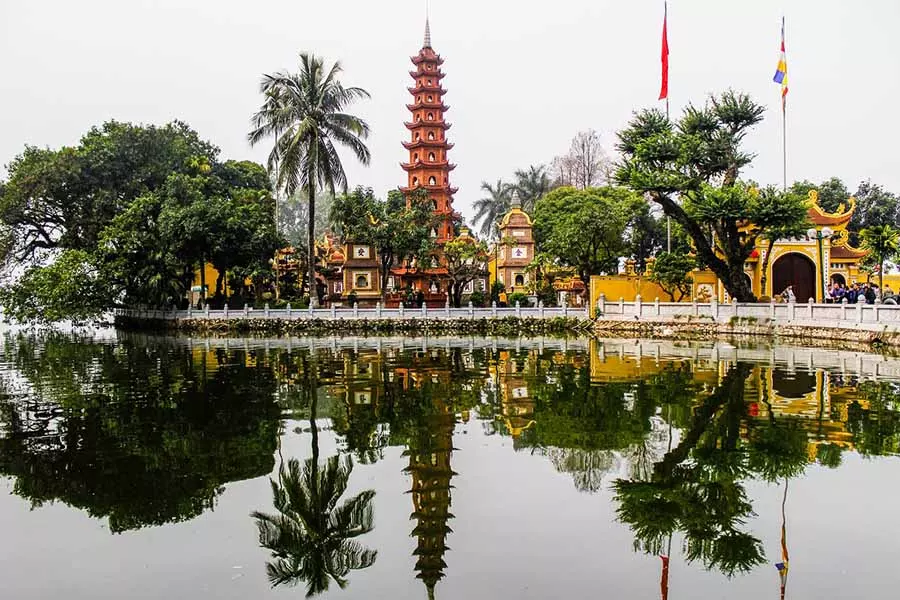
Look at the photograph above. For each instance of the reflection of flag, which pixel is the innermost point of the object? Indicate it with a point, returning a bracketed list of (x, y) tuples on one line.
[(664, 87), (781, 75), (664, 579)]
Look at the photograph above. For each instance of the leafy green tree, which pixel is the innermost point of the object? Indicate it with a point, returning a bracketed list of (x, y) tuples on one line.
[(491, 208), (699, 159), (832, 192), (883, 242), (63, 199), (305, 113), (144, 207), (71, 287), (874, 206), (585, 229), (672, 272), (398, 229), (465, 259), (532, 184)]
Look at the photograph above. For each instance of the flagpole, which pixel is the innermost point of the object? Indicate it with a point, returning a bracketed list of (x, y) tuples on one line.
[(784, 139), (666, 50)]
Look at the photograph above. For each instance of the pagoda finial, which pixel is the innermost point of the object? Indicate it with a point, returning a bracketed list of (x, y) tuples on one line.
[(427, 24), (516, 201)]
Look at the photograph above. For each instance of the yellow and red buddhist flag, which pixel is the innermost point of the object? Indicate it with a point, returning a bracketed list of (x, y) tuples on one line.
[(781, 74)]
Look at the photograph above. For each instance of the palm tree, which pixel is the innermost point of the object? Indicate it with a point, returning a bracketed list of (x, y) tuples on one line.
[(491, 208), (311, 538), (532, 185), (304, 112), (883, 241)]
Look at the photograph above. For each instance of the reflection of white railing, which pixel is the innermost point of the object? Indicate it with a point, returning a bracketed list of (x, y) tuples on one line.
[(358, 314), (823, 315)]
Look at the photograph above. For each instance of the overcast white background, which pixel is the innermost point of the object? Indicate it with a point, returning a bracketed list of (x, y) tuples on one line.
[(523, 77)]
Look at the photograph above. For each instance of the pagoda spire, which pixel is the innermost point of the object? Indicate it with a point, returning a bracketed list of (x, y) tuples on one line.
[(427, 43)]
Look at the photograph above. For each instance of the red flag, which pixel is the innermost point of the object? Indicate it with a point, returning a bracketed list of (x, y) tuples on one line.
[(664, 88)]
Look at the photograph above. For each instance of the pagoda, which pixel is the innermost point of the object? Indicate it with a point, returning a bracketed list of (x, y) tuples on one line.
[(428, 167)]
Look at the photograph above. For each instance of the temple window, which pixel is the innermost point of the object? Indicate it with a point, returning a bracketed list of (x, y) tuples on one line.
[(431, 156), (430, 98), (432, 180), (520, 280), (416, 137), (430, 135), (415, 181), (415, 157), (431, 116), (435, 203), (418, 118)]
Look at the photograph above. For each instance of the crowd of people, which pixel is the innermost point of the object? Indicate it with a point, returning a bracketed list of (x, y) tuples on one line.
[(856, 293)]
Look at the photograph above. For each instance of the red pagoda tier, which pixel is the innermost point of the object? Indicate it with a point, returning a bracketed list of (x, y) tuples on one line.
[(428, 166)]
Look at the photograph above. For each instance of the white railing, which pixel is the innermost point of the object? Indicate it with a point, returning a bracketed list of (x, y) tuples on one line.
[(825, 315), (358, 314)]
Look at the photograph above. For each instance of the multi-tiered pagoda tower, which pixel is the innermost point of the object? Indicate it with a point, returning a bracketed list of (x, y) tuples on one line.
[(428, 167)]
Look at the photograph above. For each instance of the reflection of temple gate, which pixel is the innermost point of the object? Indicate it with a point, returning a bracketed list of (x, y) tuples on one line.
[(796, 270)]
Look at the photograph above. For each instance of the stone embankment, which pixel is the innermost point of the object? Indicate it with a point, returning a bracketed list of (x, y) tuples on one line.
[(871, 324), (509, 325), (704, 328)]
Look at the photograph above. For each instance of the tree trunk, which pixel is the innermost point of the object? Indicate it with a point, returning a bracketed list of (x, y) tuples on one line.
[(203, 280), (311, 243), (736, 286), (764, 278)]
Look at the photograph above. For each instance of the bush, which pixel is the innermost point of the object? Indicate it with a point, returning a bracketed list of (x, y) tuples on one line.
[(764, 299), (519, 297), (477, 299)]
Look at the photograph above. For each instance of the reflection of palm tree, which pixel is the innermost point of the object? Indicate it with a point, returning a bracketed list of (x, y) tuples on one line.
[(311, 538)]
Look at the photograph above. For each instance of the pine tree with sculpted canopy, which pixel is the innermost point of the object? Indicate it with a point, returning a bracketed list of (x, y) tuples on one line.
[(691, 168), (305, 113)]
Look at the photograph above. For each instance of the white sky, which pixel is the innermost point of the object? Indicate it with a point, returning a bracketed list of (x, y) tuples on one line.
[(523, 77)]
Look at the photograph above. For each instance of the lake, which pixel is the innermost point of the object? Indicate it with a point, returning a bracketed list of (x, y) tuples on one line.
[(134, 466)]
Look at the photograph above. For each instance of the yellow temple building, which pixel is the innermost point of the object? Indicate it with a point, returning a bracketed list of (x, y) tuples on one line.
[(809, 264)]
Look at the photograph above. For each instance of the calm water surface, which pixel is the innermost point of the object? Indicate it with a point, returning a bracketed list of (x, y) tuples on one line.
[(142, 467)]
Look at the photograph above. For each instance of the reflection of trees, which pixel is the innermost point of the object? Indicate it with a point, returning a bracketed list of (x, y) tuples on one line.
[(583, 427), (876, 427), (140, 434), (311, 538), (695, 488)]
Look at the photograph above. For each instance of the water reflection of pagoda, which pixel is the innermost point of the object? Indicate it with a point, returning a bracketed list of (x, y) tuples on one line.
[(429, 454), (516, 403)]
